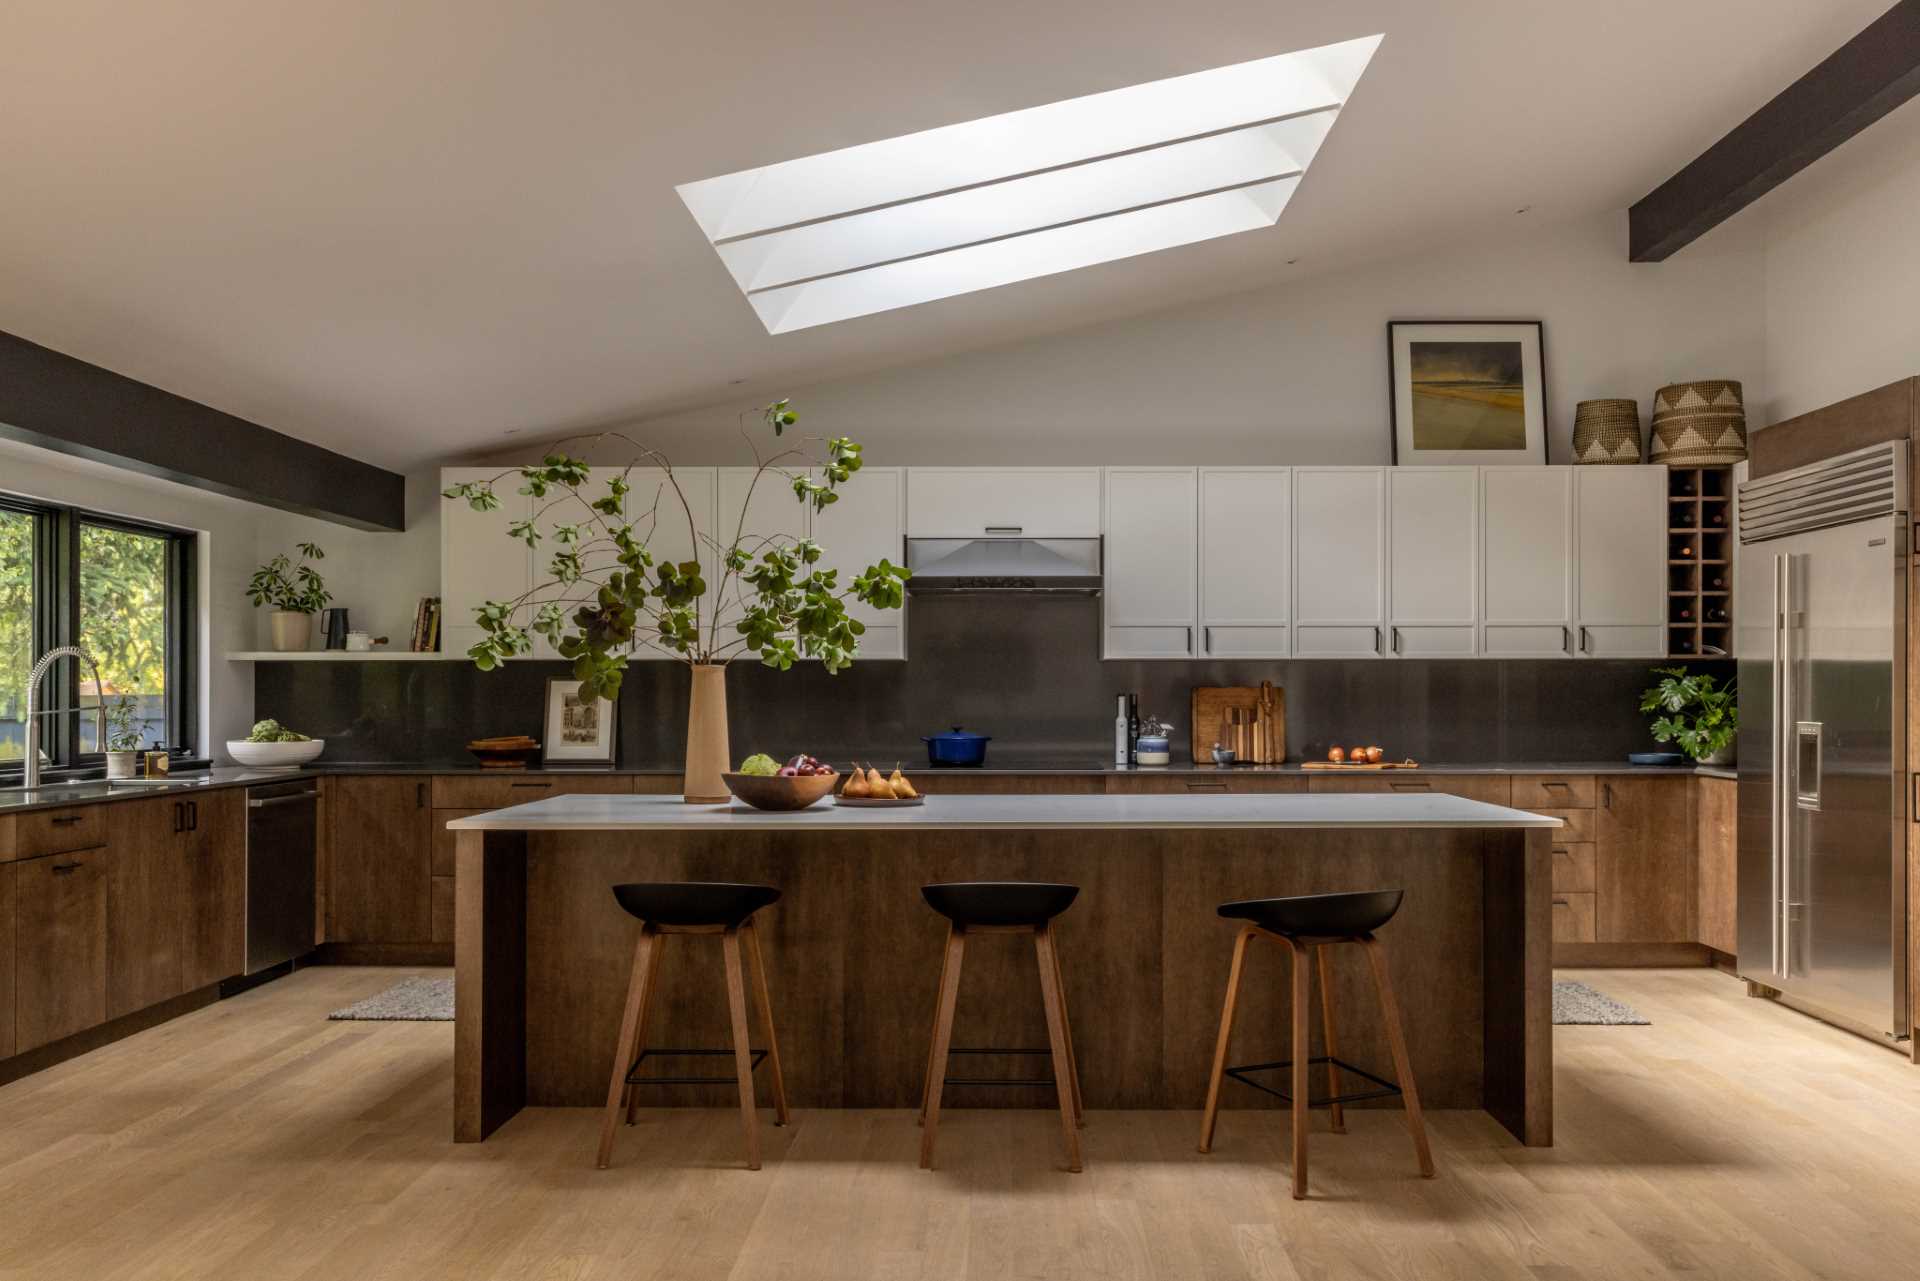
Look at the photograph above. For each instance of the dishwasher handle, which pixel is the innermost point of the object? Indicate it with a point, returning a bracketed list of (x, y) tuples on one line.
[(289, 799)]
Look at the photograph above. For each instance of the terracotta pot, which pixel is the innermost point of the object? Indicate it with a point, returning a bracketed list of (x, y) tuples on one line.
[(291, 631), (707, 754)]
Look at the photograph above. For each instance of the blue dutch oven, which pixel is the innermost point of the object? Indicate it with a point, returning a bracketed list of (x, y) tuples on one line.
[(956, 748)]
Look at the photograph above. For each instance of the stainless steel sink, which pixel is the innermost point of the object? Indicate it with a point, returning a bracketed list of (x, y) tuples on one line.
[(157, 782)]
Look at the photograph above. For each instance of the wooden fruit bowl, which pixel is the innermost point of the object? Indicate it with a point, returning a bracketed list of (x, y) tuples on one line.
[(772, 792)]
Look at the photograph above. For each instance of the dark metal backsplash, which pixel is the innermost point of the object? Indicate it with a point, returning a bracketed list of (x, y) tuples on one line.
[(1024, 669)]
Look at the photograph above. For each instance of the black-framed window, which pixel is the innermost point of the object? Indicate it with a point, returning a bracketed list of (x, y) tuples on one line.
[(124, 590)]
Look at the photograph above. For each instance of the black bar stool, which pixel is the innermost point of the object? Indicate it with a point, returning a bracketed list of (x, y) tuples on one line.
[(1319, 921), (694, 907), (1002, 907)]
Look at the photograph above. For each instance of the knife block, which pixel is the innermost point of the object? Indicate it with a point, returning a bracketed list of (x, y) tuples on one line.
[(1264, 723)]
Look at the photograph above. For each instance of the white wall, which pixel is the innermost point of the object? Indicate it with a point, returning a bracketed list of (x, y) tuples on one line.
[(1841, 261), (1293, 374)]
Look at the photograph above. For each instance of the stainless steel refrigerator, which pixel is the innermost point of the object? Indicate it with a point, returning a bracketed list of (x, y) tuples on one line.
[(1820, 628)]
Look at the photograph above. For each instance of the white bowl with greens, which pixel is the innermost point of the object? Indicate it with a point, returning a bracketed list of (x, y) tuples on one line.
[(270, 745)]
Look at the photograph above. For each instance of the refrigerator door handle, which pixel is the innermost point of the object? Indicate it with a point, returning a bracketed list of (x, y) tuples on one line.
[(1777, 821)]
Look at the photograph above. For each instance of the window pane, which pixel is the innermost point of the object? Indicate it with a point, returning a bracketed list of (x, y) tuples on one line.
[(123, 624), (16, 629)]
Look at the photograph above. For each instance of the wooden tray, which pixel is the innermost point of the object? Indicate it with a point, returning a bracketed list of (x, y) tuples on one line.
[(878, 803), (1344, 765)]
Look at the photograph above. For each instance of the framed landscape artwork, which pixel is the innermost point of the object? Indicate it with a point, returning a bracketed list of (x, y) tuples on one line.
[(579, 732), (1468, 392)]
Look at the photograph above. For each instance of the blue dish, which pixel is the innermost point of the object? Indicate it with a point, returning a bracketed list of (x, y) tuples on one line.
[(1656, 758)]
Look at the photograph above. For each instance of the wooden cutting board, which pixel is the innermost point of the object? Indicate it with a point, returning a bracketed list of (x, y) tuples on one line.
[(1344, 765), (1208, 716)]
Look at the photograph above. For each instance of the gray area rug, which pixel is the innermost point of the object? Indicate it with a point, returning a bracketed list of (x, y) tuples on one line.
[(416, 1000), (1574, 1003)]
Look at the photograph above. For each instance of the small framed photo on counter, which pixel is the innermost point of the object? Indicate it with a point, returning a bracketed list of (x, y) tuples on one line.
[(579, 731), (1468, 393)]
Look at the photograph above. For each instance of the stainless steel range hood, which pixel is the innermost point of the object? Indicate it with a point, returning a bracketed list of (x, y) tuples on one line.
[(1004, 564)]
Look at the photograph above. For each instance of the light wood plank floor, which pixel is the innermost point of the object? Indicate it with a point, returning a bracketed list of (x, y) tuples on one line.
[(255, 1140)]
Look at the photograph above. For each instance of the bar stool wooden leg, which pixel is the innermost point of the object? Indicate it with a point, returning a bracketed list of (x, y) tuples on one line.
[(1227, 1009), (933, 1031), (942, 1041), (1302, 1050), (779, 1078), (1066, 1023), (646, 1013), (1397, 1041), (742, 1047), (629, 1028), (1333, 1039), (1057, 1038)]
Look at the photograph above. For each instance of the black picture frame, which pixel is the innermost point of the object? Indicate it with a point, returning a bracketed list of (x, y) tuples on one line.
[(1538, 452)]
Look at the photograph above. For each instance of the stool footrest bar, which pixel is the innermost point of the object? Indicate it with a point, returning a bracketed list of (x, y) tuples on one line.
[(1388, 1090), (634, 1078)]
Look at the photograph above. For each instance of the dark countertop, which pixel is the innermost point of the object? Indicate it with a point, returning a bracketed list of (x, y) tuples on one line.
[(53, 795)]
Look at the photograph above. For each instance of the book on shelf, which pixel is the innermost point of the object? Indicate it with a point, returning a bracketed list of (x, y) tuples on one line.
[(426, 626)]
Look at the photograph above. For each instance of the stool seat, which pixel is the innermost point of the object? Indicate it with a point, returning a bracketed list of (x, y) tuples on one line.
[(1006, 903), (1319, 916), (694, 903)]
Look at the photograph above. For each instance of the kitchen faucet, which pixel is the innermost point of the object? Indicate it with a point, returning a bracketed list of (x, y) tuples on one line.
[(31, 777)]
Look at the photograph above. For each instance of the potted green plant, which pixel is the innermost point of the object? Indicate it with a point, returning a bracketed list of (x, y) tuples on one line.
[(1695, 712), (296, 592), (123, 735), (607, 592)]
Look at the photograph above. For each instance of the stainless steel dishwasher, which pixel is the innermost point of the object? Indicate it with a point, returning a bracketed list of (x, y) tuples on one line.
[(282, 828)]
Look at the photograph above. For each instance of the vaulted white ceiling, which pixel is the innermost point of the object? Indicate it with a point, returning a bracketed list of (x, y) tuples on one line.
[(405, 231)]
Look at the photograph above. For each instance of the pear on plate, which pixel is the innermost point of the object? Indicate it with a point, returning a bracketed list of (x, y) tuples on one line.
[(897, 783), (856, 787), (877, 784)]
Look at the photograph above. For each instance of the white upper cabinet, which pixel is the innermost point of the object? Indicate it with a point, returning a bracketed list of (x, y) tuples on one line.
[(773, 511), (1031, 502), (661, 521), (867, 525), (1149, 580), (1246, 561), (1433, 536), (1621, 554), (1340, 561), (1526, 541), (478, 561)]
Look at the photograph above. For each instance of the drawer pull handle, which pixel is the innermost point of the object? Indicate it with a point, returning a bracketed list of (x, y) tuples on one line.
[(1206, 787), (1560, 851), (539, 785), (1560, 902), (61, 869), (1562, 786), (62, 820), (1411, 787)]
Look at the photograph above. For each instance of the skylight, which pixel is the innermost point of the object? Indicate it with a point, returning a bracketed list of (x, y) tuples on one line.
[(1030, 193)]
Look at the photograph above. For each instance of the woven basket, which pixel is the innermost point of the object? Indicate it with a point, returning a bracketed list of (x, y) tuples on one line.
[(1699, 424), (1606, 431)]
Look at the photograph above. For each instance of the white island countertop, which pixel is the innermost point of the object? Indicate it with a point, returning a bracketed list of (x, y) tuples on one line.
[(589, 813)]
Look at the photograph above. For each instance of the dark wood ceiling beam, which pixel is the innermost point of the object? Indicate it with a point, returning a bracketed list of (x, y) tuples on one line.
[(59, 403), (1860, 82)]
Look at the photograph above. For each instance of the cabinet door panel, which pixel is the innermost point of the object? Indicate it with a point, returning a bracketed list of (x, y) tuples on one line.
[(1643, 860), (215, 920), (146, 897), (1718, 864), (1246, 560), (1433, 518), (1621, 559), (1526, 559), (1417, 641), (8, 952), (1037, 502), (1149, 587), (381, 860), (1339, 553), (1315, 640), (478, 562), (60, 946), (866, 526)]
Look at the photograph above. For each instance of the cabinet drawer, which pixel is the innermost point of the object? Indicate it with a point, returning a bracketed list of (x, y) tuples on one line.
[(1203, 785), (1572, 917), (56, 831), (1578, 829), (1553, 791), (1491, 788), (1573, 868), (492, 792)]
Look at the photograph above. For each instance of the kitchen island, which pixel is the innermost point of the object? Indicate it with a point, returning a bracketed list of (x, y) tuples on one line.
[(853, 953)]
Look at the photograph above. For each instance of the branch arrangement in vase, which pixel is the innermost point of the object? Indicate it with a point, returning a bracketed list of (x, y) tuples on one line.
[(607, 590)]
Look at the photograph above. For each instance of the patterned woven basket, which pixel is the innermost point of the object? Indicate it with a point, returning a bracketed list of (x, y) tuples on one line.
[(1606, 431), (1699, 424)]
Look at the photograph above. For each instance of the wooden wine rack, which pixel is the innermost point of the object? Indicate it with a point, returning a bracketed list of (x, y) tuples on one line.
[(1699, 562)]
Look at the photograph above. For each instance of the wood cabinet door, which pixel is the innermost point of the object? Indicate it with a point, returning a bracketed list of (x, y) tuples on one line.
[(1719, 865), (1643, 861), (1150, 581), (60, 946), (7, 953), (380, 847), (213, 927), (146, 897)]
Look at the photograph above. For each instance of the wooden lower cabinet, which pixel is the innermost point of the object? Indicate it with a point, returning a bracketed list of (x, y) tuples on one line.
[(213, 944), (1719, 864), (1644, 860), (60, 946), (379, 859), (146, 873), (7, 963), (1494, 789), (1572, 917)]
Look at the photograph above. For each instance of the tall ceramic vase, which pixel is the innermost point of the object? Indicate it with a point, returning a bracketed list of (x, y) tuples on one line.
[(707, 754)]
